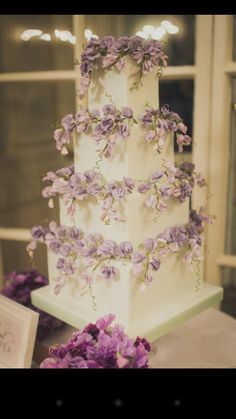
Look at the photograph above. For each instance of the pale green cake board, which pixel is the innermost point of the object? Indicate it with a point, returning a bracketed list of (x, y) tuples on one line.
[(151, 328)]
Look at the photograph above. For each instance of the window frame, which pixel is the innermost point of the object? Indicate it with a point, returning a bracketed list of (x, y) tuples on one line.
[(224, 70)]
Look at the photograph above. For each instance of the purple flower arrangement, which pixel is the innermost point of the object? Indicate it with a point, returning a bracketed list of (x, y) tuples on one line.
[(87, 253), (75, 187), (113, 125), (18, 287), (109, 52), (100, 345), (171, 182), (110, 126), (161, 122)]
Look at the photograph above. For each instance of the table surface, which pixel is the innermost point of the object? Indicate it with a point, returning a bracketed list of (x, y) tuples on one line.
[(208, 340)]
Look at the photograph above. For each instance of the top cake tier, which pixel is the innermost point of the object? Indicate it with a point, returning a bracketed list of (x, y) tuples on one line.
[(132, 156)]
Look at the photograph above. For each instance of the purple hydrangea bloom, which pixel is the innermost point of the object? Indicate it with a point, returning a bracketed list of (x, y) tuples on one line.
[(99, 345)]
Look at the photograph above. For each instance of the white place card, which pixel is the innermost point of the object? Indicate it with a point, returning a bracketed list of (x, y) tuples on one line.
[(18, 327)]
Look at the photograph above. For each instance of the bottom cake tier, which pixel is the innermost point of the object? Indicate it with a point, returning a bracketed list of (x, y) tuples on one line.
[(176, 294)]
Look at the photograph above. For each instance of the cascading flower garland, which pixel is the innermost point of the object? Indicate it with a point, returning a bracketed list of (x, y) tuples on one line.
[(171, 182), (112, 125), (162, 121), (18, 287), (85, 253), (99, 345), (109, 52)]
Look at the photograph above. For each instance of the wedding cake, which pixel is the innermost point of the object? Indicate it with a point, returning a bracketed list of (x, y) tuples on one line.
[(127, 242)]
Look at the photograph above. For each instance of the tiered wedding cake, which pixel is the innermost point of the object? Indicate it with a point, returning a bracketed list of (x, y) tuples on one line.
[(127, 244)]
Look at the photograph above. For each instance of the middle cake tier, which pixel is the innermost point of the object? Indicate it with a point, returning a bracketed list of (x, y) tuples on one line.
[(140, 222)]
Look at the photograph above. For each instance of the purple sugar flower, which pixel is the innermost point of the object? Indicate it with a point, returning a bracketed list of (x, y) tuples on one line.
[(125, 249), (65, 171), (37, 232), (65, 266), (65, 249), (61, 137), (120, 65), (150, 136), (147, 117), (55, 246), (144, 187), (149, 244), (147, 66), (118, 192), (79, 192), (94, 238), (172, 126), (129, 183), (163, 125), (138, 257), (85, 80), (183, 191), (90, 175), (106, 124), (60, 185), (109, 59), (123, 130), (50, 176), (109, 272), (95, 114), (108, 42), (82, 120), (94, 189), (155, 263), (151, 201), (122, 44), (61, 264), (61, 232), (107, 248), (127, 111), (74, 233), (76, 179), (165, 191), (68, 123), (182, 127), (157, 175), (109, 109), (182, 140)]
